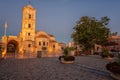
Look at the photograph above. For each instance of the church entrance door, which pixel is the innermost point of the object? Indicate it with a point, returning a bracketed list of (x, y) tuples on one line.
[(12, 49)]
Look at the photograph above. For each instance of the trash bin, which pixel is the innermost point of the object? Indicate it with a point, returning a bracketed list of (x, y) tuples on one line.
[(39, 54)]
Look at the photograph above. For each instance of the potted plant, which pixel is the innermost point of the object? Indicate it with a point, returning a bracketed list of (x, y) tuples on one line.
[(66, 58), (114, 68), (71, 51), (106, 55)]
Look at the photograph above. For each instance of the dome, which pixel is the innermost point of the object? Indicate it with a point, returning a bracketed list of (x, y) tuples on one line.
[(42, 36)]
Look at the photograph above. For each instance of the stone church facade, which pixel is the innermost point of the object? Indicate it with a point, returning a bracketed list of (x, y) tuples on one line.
[(30, 40)]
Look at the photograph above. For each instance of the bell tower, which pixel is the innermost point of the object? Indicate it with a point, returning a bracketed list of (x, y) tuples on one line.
[(28, 23), (27, 34)]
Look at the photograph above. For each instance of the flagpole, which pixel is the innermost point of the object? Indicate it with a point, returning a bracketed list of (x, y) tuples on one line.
[(6, 25), (5, 32)]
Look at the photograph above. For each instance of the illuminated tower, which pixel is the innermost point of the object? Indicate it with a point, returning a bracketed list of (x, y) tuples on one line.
[(27, 34), (28, 23)]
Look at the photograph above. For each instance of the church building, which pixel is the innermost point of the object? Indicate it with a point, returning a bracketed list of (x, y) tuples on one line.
[(30, 41)]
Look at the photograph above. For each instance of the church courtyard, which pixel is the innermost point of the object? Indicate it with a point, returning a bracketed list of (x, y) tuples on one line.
[(84, 68)]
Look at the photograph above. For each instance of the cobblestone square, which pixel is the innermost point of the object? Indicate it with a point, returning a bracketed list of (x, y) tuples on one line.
[(84, 68)]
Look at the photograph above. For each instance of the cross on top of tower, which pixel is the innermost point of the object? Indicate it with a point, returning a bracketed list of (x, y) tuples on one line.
[(29, 3)]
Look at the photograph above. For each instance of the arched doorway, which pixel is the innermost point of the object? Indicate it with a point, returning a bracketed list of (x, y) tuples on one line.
[(12, 48)]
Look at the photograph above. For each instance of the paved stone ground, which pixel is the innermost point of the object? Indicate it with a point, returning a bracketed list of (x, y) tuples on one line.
[(94, 61), (52, 69)]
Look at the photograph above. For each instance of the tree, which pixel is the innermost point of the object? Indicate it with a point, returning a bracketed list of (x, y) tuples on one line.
[(89, 31)]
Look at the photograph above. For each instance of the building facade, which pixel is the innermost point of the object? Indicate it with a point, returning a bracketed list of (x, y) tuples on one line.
[(116, 40), (30, 41)]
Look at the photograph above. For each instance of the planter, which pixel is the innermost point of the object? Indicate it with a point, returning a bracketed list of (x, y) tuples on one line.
[(67, 59), (115, 76), (67, 62), (72, 53), (114, 68), (106, 54), (108, 58)]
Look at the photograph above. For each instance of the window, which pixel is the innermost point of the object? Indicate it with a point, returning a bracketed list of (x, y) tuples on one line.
[(29, 25), (29, 16), (29, 45), (39, 43), (28, 34), (53, 46), (43, 43)]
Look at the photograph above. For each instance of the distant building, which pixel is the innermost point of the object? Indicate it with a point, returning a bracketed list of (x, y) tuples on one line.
[(78, 48), (71, 44), (29, 41), (112, 44), (116, 39), (62, 46)]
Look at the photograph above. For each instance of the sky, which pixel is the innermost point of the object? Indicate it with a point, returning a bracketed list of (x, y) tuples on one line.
[(58, 17)]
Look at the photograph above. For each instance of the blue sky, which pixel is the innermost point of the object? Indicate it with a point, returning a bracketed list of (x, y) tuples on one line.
[(58, 17)]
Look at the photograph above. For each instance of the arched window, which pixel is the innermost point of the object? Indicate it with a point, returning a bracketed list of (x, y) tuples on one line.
[(29, 25), (39, 43), (43, 43), (28, 34), (29, 16), (29, 45), (53, 46)]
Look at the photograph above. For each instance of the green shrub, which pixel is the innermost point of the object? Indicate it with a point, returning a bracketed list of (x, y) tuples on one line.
[(44, 48), (104, 55), (111, 55), (71, 48), (66, 51)]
